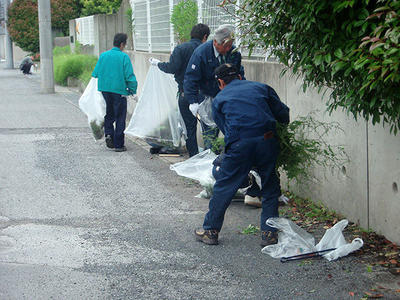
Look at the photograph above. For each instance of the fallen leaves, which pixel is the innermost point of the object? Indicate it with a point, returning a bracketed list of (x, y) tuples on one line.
[(395, 271), (372, 295)]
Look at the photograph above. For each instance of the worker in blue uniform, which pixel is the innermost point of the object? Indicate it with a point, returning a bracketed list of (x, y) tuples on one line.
[(177, 66), (246, 112), (199, 77)]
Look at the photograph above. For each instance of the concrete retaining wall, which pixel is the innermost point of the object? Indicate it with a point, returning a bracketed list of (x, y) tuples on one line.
[(105, 27), (366, 189)]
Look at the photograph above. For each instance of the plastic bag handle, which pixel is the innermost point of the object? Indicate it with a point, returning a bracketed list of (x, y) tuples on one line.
[(305, 255)]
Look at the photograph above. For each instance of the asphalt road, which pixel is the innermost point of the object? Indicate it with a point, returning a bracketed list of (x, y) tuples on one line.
[(78, 221)]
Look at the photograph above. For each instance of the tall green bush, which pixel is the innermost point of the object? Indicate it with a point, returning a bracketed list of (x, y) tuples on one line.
[(23, 24), (183, 18), (73, 65), (303, 144), (349, 46), (57, 51), (95, 7)]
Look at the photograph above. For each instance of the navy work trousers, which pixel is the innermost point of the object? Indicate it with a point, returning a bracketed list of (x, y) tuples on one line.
[(209, 133), (115, 112), (190, 124), (238, 160)]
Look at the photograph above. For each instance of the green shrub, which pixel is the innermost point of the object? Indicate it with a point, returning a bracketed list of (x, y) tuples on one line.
[(303, 145), (85, 76), (95, 7), (73, 65), (57, 51), (183, 18), (349, 46), (23, 24)]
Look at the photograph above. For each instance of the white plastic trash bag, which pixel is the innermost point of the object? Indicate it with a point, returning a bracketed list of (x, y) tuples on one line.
[(293, 240), (205, 111), (333, 238), (156, 117), (93, 105), (198, 167)]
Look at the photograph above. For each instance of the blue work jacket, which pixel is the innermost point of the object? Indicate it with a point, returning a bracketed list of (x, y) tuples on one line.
[(199, 77), (115, 73), (179, 60), (247, 109)]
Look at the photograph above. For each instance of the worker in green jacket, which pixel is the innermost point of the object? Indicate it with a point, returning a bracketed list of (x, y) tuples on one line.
[(116, 80)]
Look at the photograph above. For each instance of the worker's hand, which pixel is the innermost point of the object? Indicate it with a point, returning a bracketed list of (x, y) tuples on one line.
[(154, 61), (194, 107)]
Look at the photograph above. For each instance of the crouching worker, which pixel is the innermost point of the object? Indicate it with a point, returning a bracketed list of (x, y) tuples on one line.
[(26, 64), (246, 112)]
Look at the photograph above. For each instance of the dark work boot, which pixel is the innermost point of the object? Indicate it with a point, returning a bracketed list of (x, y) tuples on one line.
[(269, 238), (122, 149), (109, 142), (209, 237)]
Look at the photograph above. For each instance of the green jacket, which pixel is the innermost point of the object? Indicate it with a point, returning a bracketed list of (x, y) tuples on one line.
[(115, 73)]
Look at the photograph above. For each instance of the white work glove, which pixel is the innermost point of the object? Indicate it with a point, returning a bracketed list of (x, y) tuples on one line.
[(154, 61), (194, 107)]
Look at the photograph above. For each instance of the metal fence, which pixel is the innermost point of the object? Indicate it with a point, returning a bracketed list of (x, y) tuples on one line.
[(153, 31), (85, 30)]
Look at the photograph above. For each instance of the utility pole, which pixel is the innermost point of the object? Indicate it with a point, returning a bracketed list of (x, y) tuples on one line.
[(46, 47), (9, 47)]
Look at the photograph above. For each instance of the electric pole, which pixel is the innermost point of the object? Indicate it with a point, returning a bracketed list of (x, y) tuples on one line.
[(9, 48), (46, 47)]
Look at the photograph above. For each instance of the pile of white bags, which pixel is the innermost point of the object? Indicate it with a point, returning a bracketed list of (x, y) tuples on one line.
[(156, 117), (293, 240), (93, 105)]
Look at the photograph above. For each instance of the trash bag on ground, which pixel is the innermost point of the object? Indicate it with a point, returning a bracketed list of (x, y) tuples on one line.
[(198, 167), (205, 112), (333, 238), (93, 105), (156, 117), (293, 240)]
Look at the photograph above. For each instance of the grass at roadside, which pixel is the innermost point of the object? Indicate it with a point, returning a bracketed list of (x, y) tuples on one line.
[(75, 65)]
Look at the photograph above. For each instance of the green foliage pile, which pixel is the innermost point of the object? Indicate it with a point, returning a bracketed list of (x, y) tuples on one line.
[(183, 18), (303, 145), (349, 46), (97, 129), (96, 7), (23, 25), (73, 65)]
